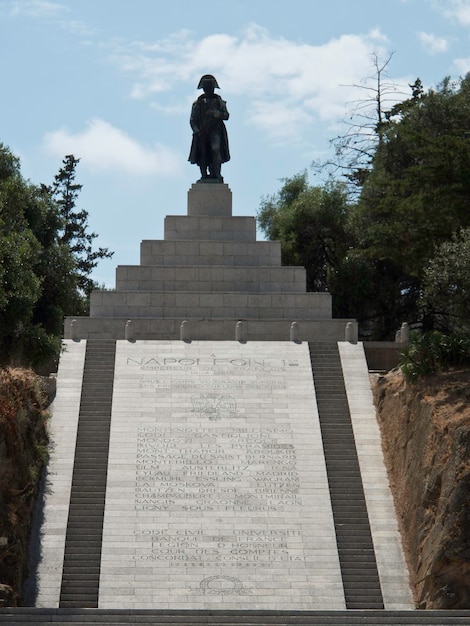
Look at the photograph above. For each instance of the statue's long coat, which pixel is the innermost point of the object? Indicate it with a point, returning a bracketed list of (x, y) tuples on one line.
[(208, 127)]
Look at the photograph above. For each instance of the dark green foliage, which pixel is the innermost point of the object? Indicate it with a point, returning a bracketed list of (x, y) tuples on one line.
[(394, 253), (430, 352), (311, 224), (417, 194), (68, 257), (46, 258), (418, 191), (446, 285), (371, 291), (74, 233), (21, 210), (316, 228)]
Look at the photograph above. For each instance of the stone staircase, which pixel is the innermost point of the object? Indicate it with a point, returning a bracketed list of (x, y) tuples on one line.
[(81, 569), (80, 586), (84, 617), (355, 548)]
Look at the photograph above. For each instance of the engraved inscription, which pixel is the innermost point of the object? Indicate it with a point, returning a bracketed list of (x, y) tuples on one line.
[(177, 364), (215, 407), (232, 469), (216, 373), (222, 585), (214, 458), (240, 548)]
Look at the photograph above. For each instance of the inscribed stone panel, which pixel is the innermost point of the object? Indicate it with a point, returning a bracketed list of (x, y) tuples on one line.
[(217, 494)]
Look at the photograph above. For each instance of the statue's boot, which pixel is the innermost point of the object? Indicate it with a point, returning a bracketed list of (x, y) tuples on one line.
[(215, 169)]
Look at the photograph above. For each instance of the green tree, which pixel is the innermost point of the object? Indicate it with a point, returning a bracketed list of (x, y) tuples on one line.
[(46, 258), (418, 191), (22, 209), (314, 228), (372, 292), (312, 225), (446, 285), (68, 256), (373, 254), (416, 195), (75, 233)]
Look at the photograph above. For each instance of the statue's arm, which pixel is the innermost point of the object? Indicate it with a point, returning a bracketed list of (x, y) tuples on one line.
[(194, 119), (222, 113)]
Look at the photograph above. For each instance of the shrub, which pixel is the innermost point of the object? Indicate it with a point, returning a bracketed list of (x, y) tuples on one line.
[(427, 353)]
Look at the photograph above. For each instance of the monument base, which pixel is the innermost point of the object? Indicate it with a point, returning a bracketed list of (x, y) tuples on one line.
[(210, 199), (204, 329), (217, 494)]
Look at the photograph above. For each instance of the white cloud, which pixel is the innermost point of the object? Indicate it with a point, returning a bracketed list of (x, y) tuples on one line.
[(77, 27), (102, 146), (462, 65), (433, 44), (459, 10), (51, 11), (36, 8), (286, 84), (281, 121)]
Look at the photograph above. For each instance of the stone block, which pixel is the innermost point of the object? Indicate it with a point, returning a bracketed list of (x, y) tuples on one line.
[(158, 325), (182, 228), (234, 300), (231, 253), (210, 199), (189, 300)]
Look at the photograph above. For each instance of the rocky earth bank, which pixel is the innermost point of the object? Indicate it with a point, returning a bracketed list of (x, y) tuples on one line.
[(426, 439), (24, 398)]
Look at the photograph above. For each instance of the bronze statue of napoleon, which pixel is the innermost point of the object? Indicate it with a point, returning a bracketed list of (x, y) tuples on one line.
[(209, 148)]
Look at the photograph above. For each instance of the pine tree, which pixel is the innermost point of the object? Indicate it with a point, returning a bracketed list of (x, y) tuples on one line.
[(75, 233)]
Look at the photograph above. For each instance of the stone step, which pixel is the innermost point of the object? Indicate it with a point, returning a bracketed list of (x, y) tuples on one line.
[(89, 501), (78, 558), (95, 427), (92, 412), (220, 229), (94, 453), (82, 531), (91, 512), (191, 253), (206, 304), (77, 577), (84, 465), (213, 278), (91, 540), (90, 526), (82, 617)]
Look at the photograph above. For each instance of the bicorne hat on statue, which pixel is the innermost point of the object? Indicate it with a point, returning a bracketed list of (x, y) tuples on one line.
[(208, 77)]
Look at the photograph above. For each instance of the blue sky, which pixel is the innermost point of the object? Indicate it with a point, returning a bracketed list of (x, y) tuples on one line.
[(112, 82)]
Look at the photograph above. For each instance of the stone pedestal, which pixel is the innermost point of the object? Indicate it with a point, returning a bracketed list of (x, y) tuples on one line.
[(210, 199), (210, 271)]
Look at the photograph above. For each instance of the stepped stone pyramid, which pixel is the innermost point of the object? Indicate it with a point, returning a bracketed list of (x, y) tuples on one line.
[(215, 457), (210, 272)]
